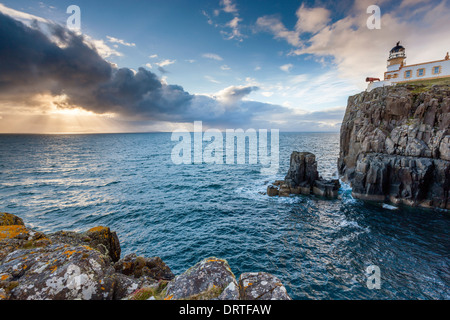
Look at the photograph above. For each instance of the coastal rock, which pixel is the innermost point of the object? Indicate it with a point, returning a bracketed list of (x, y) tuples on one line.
[(99, 238), (154, 268), (80, 266), (303, 178), (7, 219), (302, 170), (58, 272), (66, 265), (326, 188), (14, 237), (206, 280), (125, 286), (272, 191), (261, 286), (395, 145), (284, 191), (231, 292)]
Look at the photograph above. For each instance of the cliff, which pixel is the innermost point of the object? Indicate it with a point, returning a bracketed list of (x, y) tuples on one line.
[(88, 266), (395, 145)]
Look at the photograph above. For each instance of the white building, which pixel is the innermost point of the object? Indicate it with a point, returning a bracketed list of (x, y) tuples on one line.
[(399, 72)]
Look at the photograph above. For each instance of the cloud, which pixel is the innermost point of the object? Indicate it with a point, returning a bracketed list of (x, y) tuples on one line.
[(120, 41), (149, 65), (212, 56), (230, 30), (273, 25), (228, 6), (287, 67), (211, 79), (225, 67), (153, 56), (356, 51), (311, 19), (233, 94), (102, 48), (421, 30), (162, 70), (62, 71), (235, 32), (21, 16), (165, 63)]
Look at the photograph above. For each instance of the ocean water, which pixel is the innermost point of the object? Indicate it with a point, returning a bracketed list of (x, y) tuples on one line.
[(320, 249)]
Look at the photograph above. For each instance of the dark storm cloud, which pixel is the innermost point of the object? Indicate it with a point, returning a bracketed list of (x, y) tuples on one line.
[(64, 63), (162, 70), (30, 62), (49, 59)]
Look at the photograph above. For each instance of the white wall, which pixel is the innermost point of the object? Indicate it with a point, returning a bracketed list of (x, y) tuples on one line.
[(377, 84), (445, 71)]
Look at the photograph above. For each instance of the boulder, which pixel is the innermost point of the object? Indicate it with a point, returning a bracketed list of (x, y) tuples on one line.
[(100, 238), (14, 237), (154, 268), (209, 279), (7, 219), (285, 190), (326, 188), (58, 272), (69, 265), (272, 191), (261, 286)]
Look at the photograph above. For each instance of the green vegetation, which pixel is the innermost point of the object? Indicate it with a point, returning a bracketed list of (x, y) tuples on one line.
[(420, 86), (146, 293)]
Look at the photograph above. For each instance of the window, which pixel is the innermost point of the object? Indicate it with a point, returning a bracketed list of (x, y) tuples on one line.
[(437, 70), (420, 72), (395, 75), (408, 74), (388, 77)]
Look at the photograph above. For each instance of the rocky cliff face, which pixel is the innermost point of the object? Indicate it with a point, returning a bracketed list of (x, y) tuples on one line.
[(395, 145)]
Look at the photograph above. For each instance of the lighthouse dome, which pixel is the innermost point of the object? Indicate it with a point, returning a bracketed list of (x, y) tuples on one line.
[(397, 48)]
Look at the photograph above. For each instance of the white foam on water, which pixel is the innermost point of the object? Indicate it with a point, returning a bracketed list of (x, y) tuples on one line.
[(389, 207)]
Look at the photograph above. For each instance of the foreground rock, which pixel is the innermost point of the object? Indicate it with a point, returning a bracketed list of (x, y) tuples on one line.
[(261, 286), (87, 266), (303, 178), (209, 279), (395, 145)]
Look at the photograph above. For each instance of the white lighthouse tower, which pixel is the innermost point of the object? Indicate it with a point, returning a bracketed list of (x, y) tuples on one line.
[(397, 58)]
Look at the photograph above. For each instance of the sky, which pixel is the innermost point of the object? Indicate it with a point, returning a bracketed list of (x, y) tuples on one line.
[(143, 66)]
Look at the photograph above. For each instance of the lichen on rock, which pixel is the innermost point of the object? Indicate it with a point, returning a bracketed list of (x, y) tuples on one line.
[(261, 286), (204, 281), (87, 266)]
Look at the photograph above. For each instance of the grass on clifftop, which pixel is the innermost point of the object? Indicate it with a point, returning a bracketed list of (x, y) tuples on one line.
[(424, 85)]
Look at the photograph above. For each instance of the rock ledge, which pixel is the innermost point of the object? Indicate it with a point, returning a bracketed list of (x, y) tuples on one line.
[(87, 266)]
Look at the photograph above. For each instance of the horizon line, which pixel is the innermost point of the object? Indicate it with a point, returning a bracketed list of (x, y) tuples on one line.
[(144, 132)]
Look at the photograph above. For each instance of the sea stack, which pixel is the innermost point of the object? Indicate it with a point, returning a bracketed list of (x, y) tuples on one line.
[(303, 178), (395, 145)]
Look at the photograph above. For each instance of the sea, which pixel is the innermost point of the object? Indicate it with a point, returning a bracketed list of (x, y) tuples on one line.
[(320, 249)]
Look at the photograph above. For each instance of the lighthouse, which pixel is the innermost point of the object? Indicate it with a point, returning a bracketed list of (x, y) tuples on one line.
[(397, 58), (399, 72)]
